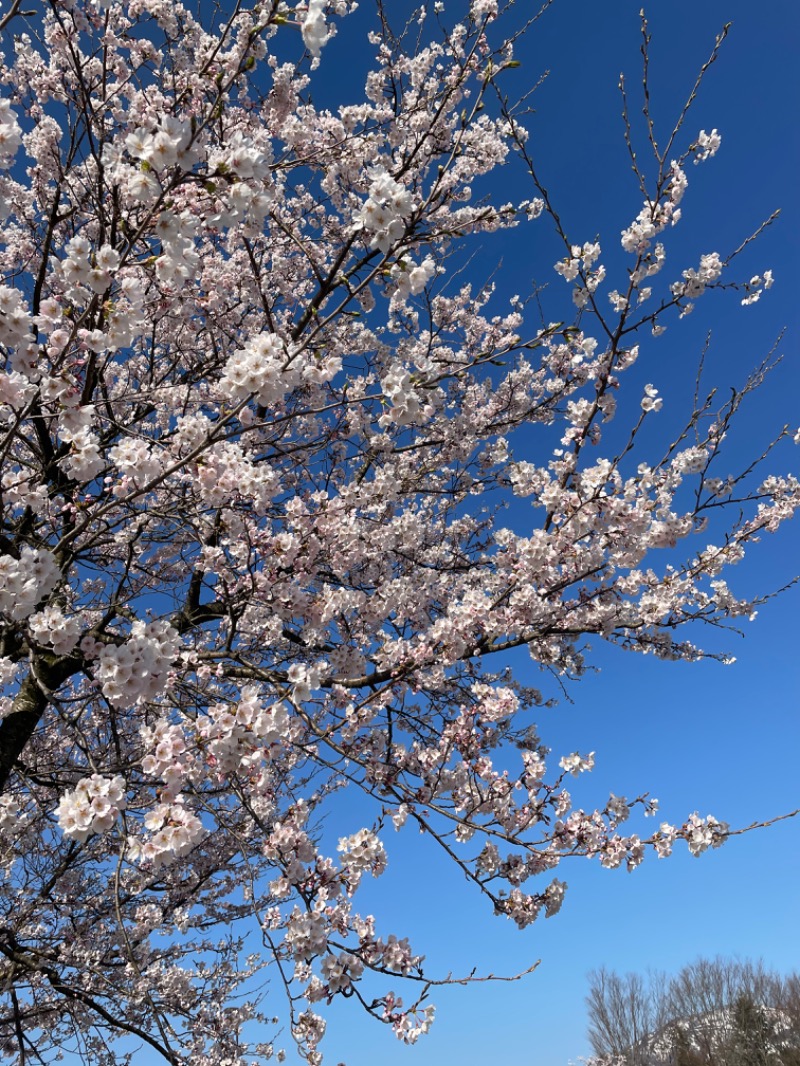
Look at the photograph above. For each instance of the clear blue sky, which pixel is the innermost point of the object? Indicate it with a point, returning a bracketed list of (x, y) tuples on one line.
[(715, 739)]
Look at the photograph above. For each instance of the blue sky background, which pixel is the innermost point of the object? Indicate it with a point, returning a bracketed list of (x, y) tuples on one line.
[(721, 740)]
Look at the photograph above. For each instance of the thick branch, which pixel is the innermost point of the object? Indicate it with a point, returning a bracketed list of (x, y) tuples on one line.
[(45, 676)]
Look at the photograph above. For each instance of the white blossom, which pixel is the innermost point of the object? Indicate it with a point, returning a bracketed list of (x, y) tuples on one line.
[(707, 145), (26, 581), (93, 806), (136, 669)]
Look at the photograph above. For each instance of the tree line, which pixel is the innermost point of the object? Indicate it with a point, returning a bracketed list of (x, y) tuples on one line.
[(713, 1012)]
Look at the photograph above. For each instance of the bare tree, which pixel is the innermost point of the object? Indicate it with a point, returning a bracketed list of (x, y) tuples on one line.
[(786, 994), (713, 1012), (703, 996), (623, 1013)]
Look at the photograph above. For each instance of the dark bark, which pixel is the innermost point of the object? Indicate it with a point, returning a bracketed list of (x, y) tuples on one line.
[(45, 676)]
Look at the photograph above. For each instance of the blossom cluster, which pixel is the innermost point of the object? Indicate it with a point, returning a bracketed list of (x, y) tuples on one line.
[(137, 459), (291, 849), (52, 627), (703, 833), (581, 260), (316, 31), (166, 144), (168, 758), (756, 286), (239, 737), (179, 260), (307, 934), (408, 1025), (655, 217), (93, 806), (361, 853), (407, 403), (136, 669), (410, 278), (264, 369), (15, 334), (10, 135), (483, 9), (385, 213), (707, 145), (696, 281), (174, 831), (10, 814), (84, 269), (25, 581)]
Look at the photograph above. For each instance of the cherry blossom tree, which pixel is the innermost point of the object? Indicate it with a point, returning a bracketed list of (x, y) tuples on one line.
[(257, 432)]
